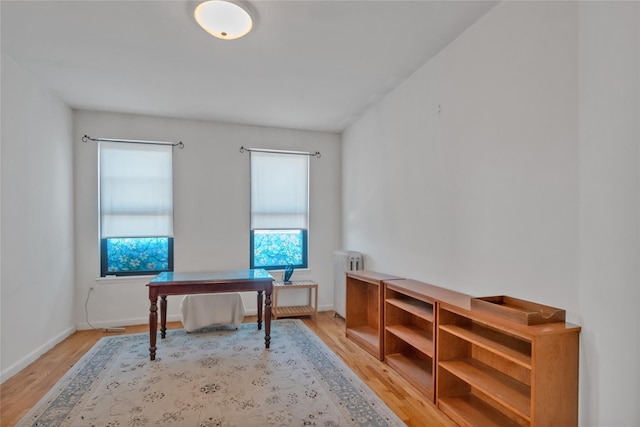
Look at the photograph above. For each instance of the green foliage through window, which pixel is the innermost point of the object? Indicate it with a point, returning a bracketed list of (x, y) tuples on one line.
[(275, 249), (136, 255)]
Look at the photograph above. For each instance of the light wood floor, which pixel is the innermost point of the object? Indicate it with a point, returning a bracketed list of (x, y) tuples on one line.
[(22, 391)]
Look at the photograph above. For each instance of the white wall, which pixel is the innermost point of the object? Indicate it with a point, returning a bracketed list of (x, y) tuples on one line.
[(211, 207), (508, 164), (610, 211), (473, 160), (37, 219)]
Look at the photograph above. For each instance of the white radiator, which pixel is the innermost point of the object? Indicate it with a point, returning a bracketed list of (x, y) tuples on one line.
[(343, 261)]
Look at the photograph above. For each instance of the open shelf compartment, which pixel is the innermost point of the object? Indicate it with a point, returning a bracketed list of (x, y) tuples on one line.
[(415, 367), (507, 346), (470, 410), (413, 306), (365, 336), (413, 336), (506, 391)]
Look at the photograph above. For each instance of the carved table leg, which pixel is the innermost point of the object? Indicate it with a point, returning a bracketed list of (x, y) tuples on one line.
[(267, 319), (259, 310), (163, 316), (153, 326)]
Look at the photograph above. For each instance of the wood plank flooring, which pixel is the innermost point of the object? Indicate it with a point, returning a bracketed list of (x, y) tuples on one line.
[(21, 392)]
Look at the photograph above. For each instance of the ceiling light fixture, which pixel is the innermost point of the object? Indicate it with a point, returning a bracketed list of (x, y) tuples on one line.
[(223, 19)]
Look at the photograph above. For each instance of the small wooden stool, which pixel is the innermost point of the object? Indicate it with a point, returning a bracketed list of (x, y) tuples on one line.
[(298, 310)]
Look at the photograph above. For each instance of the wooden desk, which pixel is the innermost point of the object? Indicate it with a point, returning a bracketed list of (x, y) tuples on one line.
[(170, 283)]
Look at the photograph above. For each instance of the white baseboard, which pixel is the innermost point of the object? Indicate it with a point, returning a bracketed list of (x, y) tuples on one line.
[(34, 355), (125, 322)]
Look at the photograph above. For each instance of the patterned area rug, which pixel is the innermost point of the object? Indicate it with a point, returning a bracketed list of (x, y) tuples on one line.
[(216, 377)]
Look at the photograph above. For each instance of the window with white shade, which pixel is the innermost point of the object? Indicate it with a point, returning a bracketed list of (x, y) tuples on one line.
[(136, 208), (279, 210)]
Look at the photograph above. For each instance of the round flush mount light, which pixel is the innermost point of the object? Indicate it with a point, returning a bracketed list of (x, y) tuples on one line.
[(223, 19)]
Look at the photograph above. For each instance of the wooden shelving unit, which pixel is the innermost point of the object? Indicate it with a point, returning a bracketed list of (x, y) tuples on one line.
[(494, 372), (409, 335), (490, 361), (311, 309), (410, 320), (364, 310)]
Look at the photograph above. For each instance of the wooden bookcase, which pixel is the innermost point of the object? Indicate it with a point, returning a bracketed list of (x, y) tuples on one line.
[(480, 366), (494, 372), (364, 312), (410, 312), (409, 335)]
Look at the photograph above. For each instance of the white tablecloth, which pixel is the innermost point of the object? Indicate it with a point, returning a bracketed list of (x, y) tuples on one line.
[(200, 311)]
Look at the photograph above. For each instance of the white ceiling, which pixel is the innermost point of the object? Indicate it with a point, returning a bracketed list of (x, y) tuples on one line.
[(315, 65)]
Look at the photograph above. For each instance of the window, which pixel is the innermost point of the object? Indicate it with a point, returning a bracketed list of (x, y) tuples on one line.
[(136, 209), (279, 210)]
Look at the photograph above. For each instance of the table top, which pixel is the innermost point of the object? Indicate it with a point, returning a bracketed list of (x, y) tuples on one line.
[(211, 277), (295, 283)]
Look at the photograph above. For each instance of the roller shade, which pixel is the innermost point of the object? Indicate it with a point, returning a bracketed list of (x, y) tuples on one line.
[(136, 190), (279, 191)]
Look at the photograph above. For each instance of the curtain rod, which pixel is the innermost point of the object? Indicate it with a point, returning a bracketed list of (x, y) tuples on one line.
[(298, 153), (133, 141)]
